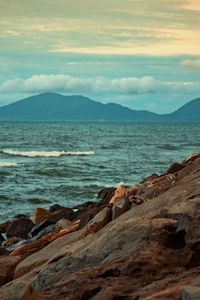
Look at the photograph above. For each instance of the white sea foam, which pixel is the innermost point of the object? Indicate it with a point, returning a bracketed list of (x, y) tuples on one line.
[(46, 153), (7, 164)]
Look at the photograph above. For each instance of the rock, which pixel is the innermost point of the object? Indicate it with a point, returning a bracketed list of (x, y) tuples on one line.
[(191, 293), (56, 207), (1, 238), (151, 252), (20, 216), (121, 206), (152, 189), (7, 268), (119, 192), (66, 213), (40, 215), (86, 215), (42, 232), (191, 158), (4, 226), (98, 222), (35, 246), (3, 251), (106, 194), (61, 224), (175, 167), (11, 241), (20, 228)]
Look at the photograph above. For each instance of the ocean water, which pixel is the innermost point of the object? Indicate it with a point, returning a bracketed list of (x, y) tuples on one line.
[(68, 163)]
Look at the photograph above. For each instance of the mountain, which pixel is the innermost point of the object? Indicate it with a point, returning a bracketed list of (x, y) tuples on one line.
[(190, 112), (55, 107)]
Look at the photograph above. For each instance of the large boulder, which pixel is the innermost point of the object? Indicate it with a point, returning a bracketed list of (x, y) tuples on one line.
[(20, 228)]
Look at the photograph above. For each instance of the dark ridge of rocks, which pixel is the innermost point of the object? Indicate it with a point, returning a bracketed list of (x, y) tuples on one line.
[(137, 242)]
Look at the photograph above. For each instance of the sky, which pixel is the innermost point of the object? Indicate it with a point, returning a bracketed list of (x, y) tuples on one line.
[(142, 54)]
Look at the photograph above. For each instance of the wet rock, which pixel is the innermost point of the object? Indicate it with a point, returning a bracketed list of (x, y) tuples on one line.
[(7, 267), (41, 229), (40, 215), (11, 241), (191, 293), (98, 222), (20, 228), (121, 206)]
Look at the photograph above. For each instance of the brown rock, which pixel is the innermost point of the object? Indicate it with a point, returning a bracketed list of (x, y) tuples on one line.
[(61, 224), (35, 246), (106, 195), (121, 206), (40, 215), (20, 228), (98, 222), (119, 192), (7, 267)]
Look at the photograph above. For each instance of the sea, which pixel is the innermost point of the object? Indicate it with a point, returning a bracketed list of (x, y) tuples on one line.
[(69, 163)]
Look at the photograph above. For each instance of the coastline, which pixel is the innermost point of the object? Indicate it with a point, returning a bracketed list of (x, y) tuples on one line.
[(137, 242)]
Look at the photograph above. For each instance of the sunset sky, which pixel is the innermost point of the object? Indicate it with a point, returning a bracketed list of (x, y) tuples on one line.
[(143, 54)]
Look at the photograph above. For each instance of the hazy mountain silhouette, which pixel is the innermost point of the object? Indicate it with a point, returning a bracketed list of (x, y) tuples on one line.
[(55, 107)]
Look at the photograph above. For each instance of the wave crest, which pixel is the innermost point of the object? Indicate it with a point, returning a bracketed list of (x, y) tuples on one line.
[(7, 164), (47, 153)]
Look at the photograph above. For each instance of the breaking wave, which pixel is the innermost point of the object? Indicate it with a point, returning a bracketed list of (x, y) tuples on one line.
[(7, 164), (47, 153)]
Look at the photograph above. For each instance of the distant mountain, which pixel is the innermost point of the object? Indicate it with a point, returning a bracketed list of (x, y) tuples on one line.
[(55, 107), (190, 112)]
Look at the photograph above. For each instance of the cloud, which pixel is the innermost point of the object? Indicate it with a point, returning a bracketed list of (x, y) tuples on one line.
[(193, 64), (97, 86)]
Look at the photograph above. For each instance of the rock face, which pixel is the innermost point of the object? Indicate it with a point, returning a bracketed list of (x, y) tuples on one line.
[(144, 245)]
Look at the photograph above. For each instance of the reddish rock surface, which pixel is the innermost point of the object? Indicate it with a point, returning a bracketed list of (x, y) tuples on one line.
[(150, 252)]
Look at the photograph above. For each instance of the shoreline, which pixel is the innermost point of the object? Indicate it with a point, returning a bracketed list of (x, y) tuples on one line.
[(136, 242)]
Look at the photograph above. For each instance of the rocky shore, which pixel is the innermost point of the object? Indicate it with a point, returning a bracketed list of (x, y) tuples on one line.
[(136, 242)]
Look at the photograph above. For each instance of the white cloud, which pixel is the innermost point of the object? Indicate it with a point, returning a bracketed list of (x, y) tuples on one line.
[(97, 86), (193, 64)]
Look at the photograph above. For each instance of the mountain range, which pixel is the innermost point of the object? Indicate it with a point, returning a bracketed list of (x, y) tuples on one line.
[(55, 107)]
